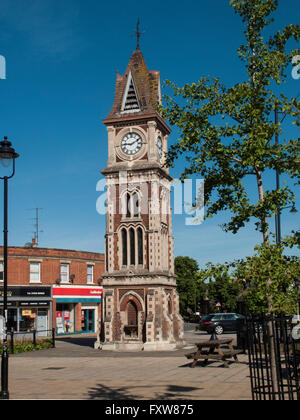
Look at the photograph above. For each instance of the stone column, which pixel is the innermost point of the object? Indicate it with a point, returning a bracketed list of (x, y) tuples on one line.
[(111, 146), (151, 140)]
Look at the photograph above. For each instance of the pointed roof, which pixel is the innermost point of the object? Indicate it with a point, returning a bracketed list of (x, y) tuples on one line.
[(137, 93)]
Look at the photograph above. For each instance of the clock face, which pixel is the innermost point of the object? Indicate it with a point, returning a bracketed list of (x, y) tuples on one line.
[(131, 143), (159, 146)]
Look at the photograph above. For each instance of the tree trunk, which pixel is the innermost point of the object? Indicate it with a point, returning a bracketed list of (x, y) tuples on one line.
[(264, 222), (265, 232)]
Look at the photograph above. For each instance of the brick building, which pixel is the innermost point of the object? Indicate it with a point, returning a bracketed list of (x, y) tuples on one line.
[(52, 288)]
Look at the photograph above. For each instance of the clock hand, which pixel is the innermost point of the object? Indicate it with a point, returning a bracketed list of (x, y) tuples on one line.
[(130, 144), (127, 142)]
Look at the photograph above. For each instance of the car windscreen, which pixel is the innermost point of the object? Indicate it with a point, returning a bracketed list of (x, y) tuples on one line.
[(228, 317)]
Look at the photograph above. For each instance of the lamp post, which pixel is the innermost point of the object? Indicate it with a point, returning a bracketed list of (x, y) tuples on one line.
[(293, 208), (278, 223), (7, 154)]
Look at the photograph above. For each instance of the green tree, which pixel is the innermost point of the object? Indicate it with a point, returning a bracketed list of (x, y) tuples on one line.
[(262, 295), (222, 286), (187, 272), (227, 134)]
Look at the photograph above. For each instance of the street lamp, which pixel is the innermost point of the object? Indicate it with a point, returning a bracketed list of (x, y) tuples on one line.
[(7, 154), (293, 208), (278, 221)]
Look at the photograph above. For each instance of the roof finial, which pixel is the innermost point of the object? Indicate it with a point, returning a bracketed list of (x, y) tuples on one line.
[(138, 34)]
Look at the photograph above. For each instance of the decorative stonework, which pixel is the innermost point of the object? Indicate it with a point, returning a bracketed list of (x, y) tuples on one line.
[(140, 304)]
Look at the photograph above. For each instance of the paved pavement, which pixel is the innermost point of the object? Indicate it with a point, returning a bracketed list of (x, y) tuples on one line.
[(75, 370)]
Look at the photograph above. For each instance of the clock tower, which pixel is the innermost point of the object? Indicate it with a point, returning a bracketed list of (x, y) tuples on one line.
[(140, 301)]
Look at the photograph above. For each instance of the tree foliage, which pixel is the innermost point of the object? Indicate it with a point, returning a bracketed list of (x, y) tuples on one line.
[(267, 282), (263, 296), (188, 287), (213, 282), (226, 134), (222, 286)]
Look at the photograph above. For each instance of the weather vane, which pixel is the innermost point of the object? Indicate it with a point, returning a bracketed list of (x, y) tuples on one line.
[(138, 34)]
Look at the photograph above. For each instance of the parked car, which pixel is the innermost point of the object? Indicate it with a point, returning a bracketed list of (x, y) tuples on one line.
[(220, 322)]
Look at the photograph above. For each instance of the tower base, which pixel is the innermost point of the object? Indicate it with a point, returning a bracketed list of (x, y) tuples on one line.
[(139, 346)]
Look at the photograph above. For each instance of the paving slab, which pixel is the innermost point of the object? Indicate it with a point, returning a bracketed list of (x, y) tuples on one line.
[(75, 370)]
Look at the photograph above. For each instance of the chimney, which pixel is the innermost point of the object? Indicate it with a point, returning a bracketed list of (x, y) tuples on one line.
[(33, 243)]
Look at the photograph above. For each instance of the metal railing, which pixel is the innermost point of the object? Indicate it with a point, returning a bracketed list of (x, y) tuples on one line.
[(274, 358), (30, 336)]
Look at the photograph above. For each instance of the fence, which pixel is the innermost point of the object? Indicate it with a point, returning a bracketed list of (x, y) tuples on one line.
[(30, 336), (274, 358)]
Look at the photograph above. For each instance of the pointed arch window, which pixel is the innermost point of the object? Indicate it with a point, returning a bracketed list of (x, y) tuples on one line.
[(124, 247), (128, 205), (135, 205), (140, 246), (131, 205), (132, 246)]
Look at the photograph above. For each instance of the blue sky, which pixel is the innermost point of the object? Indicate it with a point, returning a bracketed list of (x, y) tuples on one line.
[(62, 59)]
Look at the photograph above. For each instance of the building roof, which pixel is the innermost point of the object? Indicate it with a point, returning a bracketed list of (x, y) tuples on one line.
[(52, 253), (137, 93)]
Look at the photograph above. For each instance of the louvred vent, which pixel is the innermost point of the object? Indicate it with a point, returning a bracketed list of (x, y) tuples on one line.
[(131, 102)]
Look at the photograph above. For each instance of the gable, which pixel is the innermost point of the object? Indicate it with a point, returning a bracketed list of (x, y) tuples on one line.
[(130, 101)]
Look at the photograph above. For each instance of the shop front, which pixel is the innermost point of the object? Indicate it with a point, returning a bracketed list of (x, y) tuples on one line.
[(77, 308), (28, 308)]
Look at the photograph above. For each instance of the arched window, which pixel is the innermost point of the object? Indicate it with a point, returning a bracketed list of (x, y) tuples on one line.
[(135, 204), (132, 313), (124, 247), (140, 245), (131, 204), (132, 246), (128, 205)]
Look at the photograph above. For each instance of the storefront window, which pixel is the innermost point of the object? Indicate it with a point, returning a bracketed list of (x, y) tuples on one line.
[(64, 318), (27, 319)]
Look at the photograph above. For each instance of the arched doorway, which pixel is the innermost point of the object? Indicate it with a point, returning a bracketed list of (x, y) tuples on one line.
[(131, 328), (132, 313)]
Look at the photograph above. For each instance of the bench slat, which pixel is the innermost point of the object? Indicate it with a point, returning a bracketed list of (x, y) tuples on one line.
[(215, 356)]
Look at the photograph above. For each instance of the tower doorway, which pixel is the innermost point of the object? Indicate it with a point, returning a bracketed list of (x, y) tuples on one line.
[(131, 328)]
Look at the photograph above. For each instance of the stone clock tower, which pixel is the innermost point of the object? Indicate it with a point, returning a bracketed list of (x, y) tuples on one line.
[(140, 301)]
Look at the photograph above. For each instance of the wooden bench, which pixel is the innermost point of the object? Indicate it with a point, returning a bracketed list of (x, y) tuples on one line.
[(214, 350)]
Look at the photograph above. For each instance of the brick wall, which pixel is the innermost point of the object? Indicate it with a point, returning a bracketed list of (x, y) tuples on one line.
[(50, 259)]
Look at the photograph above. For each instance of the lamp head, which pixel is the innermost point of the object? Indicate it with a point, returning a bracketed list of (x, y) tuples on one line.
[(293, 209), (7, 153)]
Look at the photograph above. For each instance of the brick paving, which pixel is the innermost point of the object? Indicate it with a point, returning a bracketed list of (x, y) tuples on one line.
[(74, 370)]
